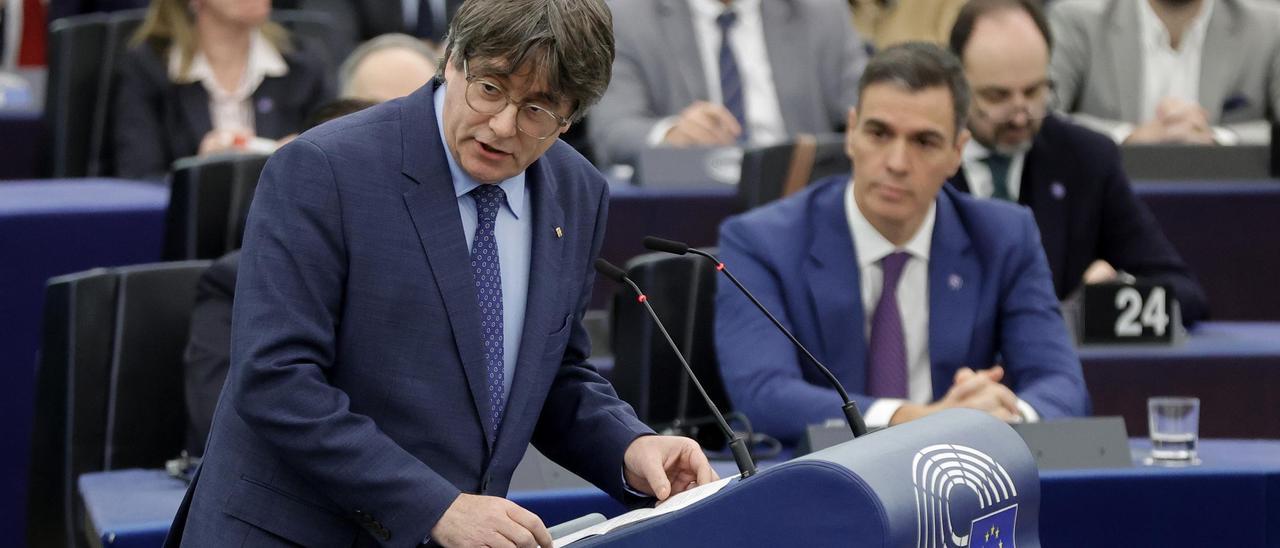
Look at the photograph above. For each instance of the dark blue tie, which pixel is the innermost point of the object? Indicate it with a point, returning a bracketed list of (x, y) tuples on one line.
[(484, 263), (887, 374), (999, 165), (730, 79)]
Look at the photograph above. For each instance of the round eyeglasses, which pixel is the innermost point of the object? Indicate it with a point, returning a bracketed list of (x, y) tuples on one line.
[(1001, 105), (487, 97)]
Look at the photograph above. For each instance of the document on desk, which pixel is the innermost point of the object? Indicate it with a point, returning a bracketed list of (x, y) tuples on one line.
[(675, 502)]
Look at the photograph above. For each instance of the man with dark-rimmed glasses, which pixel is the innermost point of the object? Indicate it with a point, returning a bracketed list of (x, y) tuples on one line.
[(1091, 224), (409, 306)]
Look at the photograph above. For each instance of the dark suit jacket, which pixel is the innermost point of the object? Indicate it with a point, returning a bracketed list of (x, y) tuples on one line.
[(208, 353), (154, 121), (355, 409), (990, 301), (1075, 184)]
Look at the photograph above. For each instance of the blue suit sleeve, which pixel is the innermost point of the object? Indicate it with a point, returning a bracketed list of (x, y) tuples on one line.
[(286, 317), (1042, 366), (584, 426), (760, 367)]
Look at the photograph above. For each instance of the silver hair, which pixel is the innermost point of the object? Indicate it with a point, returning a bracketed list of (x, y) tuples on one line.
[(569, 43)]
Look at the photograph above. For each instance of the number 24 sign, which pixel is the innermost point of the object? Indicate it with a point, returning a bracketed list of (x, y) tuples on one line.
[(1143, 312)]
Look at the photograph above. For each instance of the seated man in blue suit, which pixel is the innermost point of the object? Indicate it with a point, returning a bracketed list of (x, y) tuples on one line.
[(408, 311), (917, 297)]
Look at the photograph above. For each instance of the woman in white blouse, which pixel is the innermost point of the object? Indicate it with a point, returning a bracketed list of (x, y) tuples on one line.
[(208, 76)]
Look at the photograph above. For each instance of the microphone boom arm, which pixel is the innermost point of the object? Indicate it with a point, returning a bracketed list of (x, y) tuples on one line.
[(850, 408), (737, 445)]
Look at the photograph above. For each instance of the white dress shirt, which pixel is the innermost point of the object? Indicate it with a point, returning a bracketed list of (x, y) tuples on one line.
[(913, 305), (1170, 72), (231, 109), (978, 174), (760, 97)]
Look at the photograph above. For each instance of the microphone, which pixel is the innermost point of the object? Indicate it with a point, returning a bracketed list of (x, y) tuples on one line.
[(851, 414), (737, 445)]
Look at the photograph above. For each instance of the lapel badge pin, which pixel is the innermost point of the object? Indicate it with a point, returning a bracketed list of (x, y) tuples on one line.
[(1058, 190), (955, 282), (559, 232)]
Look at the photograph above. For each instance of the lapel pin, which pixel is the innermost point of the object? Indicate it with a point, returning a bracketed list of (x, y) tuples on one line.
[(955, 282), (265, 105), (559, 232), (1059, 192)]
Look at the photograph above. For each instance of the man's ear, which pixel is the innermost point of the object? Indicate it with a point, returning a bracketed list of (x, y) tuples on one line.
[(451, 66), (962, 139)]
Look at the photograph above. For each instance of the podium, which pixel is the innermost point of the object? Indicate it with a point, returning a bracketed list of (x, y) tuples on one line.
[(959, 478)]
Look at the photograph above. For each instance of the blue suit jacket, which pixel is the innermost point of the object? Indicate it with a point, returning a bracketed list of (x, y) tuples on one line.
[(354, 410), (990, 300)]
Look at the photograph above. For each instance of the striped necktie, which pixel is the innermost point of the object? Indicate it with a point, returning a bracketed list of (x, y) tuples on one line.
[(730, 78)]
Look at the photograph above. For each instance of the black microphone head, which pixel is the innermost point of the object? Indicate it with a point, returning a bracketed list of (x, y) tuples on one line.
[(664, 245), (610, 271)]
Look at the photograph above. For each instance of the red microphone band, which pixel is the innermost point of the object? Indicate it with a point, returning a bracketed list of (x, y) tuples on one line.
[(642, 298), (719, 266)]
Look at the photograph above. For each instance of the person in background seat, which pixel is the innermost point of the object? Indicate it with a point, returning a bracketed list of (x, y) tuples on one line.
[(208, 76)]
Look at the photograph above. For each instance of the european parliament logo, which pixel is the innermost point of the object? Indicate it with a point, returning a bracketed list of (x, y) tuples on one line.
[(954, 483)]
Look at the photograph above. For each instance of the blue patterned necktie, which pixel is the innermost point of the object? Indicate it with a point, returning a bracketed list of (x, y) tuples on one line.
[(484, 263), (999, 165), (887, 372), (730, 79)]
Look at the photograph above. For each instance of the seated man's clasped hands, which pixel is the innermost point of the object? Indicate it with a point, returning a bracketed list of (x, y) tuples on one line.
[(1176, 121)]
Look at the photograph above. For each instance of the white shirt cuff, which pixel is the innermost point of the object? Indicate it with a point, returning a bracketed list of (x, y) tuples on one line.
[(1028, 413), (658, 133), (627, 486), (878, 415), (1224, 136), (1121, 132), (880, 412)]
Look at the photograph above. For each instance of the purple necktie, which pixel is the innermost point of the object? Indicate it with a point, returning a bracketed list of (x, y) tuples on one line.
[(887, 372), (484, 263)]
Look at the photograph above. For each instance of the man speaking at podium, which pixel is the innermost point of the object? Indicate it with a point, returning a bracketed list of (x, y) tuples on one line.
[(409, 307), (916, 296)]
